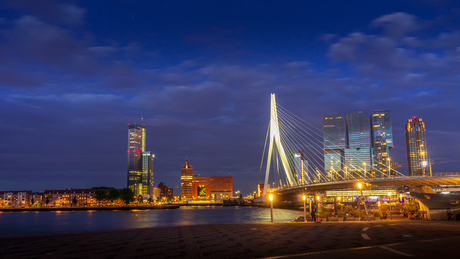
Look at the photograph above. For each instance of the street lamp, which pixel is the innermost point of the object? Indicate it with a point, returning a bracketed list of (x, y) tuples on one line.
[(389, 195), (364, 201), (317, 209), (304, 208), (271, 205)]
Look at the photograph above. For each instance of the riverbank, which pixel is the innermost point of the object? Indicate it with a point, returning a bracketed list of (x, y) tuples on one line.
[(152, 207)]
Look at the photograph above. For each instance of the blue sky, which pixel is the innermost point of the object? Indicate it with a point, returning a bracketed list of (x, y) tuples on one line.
[(73, 74)]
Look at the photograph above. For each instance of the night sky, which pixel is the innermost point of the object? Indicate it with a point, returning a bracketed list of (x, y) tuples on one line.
[(73, 74)]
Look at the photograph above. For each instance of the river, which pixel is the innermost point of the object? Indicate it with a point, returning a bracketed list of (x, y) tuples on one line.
[(51, 222)]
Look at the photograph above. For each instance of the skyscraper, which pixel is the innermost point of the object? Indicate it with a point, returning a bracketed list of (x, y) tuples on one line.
[(147, 173), (186, 177), (333, 142), (382, 141), (358, 152), (140, 163), (416, 147)]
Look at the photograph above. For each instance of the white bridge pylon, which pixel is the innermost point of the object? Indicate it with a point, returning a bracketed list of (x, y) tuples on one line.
[(275, 140)]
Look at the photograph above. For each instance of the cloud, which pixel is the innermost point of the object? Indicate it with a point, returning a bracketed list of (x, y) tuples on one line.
[(396, 25)]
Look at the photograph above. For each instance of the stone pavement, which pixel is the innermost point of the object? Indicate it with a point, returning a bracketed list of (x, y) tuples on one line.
[(247, 240)]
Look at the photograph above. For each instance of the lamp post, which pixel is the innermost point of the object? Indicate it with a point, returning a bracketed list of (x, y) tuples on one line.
[(364, 201), (389, 195), (304, 208), (271, 205), (317, 209)]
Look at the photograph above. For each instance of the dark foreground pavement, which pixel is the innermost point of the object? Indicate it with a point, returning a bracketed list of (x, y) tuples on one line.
[(375, 239)]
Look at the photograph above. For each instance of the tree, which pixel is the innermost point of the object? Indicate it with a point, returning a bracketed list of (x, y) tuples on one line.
[(47, 201), (74, 201), (127, 195), (32, 201), (100, 195), (113, 195), (150, 200), (140, 199)]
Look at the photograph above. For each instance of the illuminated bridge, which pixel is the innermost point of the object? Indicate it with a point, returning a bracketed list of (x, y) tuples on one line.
[(295, 161)]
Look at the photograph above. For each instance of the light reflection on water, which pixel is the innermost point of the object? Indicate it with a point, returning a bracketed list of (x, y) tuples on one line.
[(48, 222)]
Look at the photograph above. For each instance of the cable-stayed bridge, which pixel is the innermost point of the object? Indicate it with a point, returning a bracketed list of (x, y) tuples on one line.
[(294, 160)]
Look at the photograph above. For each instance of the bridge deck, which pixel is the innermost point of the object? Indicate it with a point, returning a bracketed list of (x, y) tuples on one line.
[(395, 181)]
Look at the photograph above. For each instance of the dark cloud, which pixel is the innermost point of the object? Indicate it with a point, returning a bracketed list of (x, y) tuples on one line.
[(215, 110)]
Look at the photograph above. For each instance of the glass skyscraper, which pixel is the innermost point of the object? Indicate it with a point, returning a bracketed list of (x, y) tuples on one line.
[(416, 147), (147, 173), (382, 141), (140, 163), (334, 143), (358, 152)]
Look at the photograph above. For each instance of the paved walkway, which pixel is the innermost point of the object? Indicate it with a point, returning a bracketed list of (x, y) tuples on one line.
[(375, 239)]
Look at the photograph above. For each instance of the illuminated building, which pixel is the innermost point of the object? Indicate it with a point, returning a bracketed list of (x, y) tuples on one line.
[(333, 142), (358, 152), (140, 162), (147, 173), (165, 191), (186, 176), (416, 147), (382, 141), (212, 187)]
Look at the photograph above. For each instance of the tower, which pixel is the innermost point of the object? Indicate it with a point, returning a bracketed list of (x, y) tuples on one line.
[(416, 147), (136, 146), (186, 177), (358, 153), (147, 173), (333, 142), (382, 141)]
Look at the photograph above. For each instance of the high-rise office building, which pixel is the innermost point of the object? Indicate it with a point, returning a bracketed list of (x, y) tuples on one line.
[(416, 147), (382, 142), (333, 143), (358, 151), (147, 173), (140, 163), (186, 177)]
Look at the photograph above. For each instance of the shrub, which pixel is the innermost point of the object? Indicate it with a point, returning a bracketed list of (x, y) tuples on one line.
[(323, 215), (341, 214), (348, 209), (377, 214), (357, 213)]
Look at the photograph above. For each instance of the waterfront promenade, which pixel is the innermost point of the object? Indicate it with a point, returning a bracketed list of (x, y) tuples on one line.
[(374, 239)]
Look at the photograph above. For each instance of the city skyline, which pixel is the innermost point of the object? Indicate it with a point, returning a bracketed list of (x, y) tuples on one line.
[(73, 74)]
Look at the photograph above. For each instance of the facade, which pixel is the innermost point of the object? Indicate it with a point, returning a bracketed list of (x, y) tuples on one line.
[(382, 142), (136, 145), (147, 174), (333, 142), (15, 198), (212, 187), (186, 176), (417, 156), (358, 152), (140, 162), (165, 191)]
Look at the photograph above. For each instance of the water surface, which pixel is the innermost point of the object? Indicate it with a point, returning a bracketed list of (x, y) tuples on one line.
[(49, 222)]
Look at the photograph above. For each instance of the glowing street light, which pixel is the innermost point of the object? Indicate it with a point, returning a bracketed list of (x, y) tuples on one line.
[(364, 201), (389, 195), (271, 205), (304, 208)]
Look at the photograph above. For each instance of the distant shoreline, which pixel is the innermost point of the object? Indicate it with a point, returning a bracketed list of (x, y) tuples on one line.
[(153, 207)]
